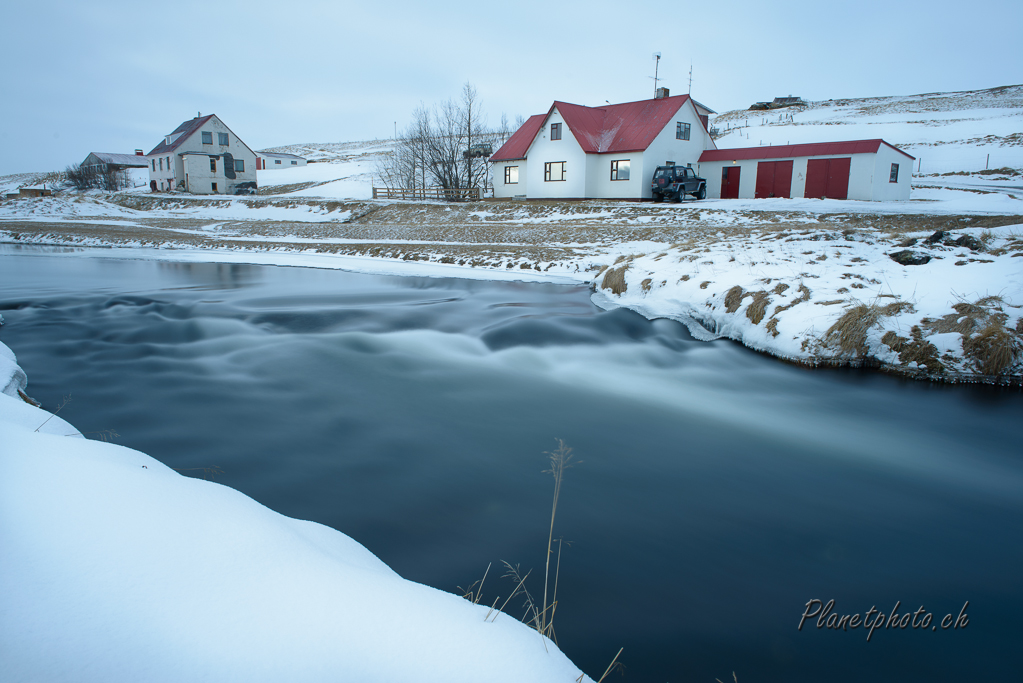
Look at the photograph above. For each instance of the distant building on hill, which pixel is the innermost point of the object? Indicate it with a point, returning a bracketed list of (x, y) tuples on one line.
[(202, 156), (271, 160)]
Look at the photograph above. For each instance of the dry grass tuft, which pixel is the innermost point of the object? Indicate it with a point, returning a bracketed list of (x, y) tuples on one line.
[(733, 299), (780, 288), (917, 349), (614, 279), (645, 284), (804, 295), (849, 333), (684, 278), (758, 307), (993, 350), (772, 327), (704, 284)]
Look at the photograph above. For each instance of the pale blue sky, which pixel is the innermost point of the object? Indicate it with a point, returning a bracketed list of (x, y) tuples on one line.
[(112, 75)]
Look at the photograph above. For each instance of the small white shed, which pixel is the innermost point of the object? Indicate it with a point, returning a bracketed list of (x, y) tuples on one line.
[(870, 170), (269, 161)]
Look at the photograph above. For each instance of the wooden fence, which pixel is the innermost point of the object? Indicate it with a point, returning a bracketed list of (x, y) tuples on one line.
[(468, 194)]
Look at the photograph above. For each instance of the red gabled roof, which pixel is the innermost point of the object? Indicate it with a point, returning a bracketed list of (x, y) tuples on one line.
[(628, 127), (520, 141), (185, 129), (811, 149)]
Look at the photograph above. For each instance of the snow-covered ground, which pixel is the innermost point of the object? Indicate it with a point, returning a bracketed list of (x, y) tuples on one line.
[(116, 568), (338, 171)]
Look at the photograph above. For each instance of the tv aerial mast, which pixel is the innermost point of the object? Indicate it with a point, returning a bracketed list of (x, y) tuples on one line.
[(657, 64)]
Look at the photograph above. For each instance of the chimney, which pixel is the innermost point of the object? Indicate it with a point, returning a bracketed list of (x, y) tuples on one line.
[(660, 93), (139, 153)]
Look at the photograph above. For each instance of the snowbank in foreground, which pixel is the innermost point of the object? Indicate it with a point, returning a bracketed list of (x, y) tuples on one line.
[(116, 568)]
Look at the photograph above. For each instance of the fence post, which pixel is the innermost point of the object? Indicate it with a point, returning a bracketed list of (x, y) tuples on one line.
[(987, 164)]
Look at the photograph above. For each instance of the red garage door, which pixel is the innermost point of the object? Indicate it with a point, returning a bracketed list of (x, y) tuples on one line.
[(827, 178), (774, 179), (730, 182)]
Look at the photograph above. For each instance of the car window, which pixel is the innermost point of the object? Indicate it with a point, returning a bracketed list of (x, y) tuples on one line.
[(662, 173)]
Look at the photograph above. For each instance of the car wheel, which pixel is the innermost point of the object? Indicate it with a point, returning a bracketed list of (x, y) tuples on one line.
[(656, 197), (702, 192)]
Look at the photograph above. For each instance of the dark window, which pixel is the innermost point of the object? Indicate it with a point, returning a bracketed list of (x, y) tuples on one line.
[(239, 165), (620, 169), (554, 171), (213, 164), (277, 161), (294, 163), (214, 187), (154, 163), (222, 138), (682, 131), (511, 175), (894, 178), (161, 163), (207, 138), (555, 131)]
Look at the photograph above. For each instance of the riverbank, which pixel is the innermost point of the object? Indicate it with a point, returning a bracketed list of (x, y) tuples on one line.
[(120, 568), (928, 289)]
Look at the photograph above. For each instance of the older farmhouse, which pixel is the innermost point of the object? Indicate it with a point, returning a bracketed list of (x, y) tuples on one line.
[(202, 156)]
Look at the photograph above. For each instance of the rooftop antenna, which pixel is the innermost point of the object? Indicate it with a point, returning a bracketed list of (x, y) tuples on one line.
[(657, 64), (690, 77)]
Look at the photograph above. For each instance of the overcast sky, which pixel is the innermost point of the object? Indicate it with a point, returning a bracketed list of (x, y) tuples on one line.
[(111, 76)]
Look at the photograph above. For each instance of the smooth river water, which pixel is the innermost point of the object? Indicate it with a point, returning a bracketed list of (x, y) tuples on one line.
[(718, 490)]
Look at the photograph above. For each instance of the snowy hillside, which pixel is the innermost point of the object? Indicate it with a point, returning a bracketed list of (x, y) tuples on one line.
[(947, 132), (337, 170)]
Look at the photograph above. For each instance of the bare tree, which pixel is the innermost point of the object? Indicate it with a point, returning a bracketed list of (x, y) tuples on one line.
[(448, 146), (96, 177)]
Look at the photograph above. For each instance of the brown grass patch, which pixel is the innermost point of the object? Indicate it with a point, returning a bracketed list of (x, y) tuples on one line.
[(704, 284), (614, 279), (849, 333), (645, 284), (733, 299), (991, 347), (780, 288), (804, 295), (772, 327), (758, 307)]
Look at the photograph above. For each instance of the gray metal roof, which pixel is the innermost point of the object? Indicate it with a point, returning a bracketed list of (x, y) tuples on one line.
[(121, 159)]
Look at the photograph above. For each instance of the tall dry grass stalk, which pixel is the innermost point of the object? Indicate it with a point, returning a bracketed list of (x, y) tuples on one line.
[(560, 459)]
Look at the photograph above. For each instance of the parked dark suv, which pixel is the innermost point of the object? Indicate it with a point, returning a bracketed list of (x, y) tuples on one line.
[(675, 182)]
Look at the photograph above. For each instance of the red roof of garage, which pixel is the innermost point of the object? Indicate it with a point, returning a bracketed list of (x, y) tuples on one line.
[(811, 149), (627, 127)]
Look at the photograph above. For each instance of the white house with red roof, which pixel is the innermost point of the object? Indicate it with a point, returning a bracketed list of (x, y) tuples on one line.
[(871, 170), (609, 152), (202, 156)]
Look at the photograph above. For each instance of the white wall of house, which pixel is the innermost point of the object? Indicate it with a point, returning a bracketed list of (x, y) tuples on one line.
[(884, 189), (667, 147), (598, 176), (187, 162), (505, 190), (543, 150)]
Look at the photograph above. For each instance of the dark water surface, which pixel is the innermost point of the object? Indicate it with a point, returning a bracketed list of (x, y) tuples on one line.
[(720, 490)]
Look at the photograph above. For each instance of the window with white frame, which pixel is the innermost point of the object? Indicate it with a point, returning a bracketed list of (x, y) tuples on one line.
[(555, 131), (554, 171), (207, 138), (511, 175), (222, 138), (894, 177), (681, 131), (620, 169)]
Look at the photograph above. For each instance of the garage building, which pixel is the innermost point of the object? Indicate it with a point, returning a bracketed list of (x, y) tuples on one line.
[(871, 170)]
